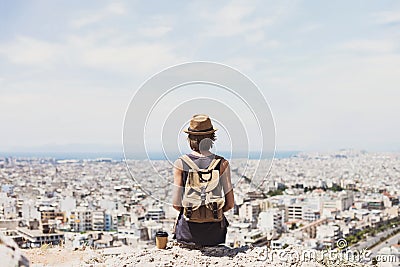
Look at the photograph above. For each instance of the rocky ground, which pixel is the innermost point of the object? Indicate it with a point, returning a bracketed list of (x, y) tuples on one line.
[(175, 255), (10, 254)]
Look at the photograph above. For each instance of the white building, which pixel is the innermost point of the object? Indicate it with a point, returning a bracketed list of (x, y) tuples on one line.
[(249, 211), (295, 211), (81, 219), (128, 236), (327, 235), (271, 220), (343, 201), (29, 211), (68, 204), (310, 215), (155, 214), (8, 207), (98, 220)]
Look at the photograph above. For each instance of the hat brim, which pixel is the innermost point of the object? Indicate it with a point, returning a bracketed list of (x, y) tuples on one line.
[(200, 133)]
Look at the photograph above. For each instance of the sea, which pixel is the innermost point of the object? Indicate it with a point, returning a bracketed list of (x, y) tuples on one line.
[(120, 155)]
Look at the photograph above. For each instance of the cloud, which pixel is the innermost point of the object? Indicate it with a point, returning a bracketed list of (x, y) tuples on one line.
[(67, 114), (259, 39), (242, 19), (368, 45), (387, 17), (113, 9), (29, 51), (142, 57), (235, 19), (330, 91), (155, 32), (339, 100), (310, 28), (89, 51)]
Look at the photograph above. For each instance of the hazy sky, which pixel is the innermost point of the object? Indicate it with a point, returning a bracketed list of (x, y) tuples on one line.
[(330, 70)]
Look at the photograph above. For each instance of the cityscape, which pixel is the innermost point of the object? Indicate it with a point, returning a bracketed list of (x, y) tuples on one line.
[(339, 200), (97, 101)]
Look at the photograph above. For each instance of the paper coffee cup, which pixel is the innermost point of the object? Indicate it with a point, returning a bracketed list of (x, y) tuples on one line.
[(161, 239)]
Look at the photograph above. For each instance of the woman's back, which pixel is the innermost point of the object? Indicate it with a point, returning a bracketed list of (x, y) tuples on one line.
[(201, 220), (207, 233)]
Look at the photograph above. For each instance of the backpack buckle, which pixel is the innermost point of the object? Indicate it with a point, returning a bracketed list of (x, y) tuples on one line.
[(203, 180), (189, 212), (215, 210), (203, 194)]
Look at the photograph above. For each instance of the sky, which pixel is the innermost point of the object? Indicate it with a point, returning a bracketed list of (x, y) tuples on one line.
[(330, 70)]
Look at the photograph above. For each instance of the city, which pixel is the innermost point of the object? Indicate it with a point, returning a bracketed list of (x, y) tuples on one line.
[(340, 200)]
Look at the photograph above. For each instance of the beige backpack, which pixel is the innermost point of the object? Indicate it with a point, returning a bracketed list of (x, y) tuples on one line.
[(203, 198)]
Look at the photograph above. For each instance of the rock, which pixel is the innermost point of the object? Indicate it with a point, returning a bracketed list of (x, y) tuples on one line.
[(179, 256), (10, 254)]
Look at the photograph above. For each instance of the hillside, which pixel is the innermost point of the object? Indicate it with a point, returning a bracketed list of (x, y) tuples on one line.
[(174, 255)]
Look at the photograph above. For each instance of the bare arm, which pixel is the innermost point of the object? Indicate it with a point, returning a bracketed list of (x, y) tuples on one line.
[(178, 185), (227, 185)]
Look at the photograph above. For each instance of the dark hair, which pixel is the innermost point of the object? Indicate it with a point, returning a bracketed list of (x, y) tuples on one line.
[(201, 142)]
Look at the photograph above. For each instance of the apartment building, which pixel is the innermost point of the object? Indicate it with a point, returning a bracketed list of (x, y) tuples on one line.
[(110, 221), (295, 211), (81, 219), (310, 215), (327, 235), (271, 220), (8, 209), (155, 214), (98, 222), (52, 215), (249, 211)]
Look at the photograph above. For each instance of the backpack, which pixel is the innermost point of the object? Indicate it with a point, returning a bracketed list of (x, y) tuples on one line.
[(203, 198)]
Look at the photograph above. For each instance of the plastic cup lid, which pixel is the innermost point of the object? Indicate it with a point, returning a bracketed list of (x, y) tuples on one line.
[(161, 234)]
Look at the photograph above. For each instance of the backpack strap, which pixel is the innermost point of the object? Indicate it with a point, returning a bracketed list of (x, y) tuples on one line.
[(190, 163), (194, 166), (213, 164)]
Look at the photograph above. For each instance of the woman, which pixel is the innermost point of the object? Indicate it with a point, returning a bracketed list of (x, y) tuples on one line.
[(201, 136)]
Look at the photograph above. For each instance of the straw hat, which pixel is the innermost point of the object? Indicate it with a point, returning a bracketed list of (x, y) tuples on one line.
[(200, 124)]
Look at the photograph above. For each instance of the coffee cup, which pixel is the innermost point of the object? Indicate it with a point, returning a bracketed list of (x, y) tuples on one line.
[(161, 239)]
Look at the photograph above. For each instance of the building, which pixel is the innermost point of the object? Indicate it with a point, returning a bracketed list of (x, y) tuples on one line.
[(271, 220), (128, 236), (255, 237), (36, 237), (7, 188), (81, 219), (327, 235), (8, 208), (155, 214), (295, 211), (110, 221), (375, 204), (341, 202), (52, 215), (249, 212), (345, 200), (98, 221), (310, 215), (265, 204)]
